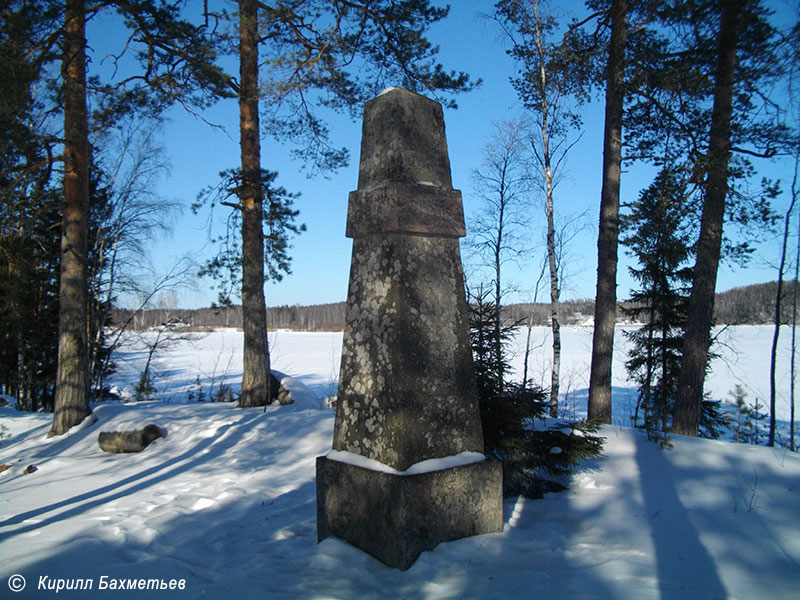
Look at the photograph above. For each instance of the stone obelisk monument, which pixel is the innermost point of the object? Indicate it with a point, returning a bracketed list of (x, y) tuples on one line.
[(406, 384)]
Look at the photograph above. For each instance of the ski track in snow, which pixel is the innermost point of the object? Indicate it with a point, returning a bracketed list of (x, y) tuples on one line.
[(227, 502)]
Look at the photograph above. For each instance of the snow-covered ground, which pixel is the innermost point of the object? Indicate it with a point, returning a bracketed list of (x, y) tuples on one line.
[(224, 506), (743, 357)]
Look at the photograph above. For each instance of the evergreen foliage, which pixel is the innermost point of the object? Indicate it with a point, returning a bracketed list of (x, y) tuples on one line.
[(747, 426), (697, 75), (29, 213), (655, 234), (322, 55), (278, 226), (163, 59), (534, 458), (145, 389)]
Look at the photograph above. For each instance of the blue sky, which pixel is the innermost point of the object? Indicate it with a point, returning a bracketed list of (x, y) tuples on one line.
[(321, 255)]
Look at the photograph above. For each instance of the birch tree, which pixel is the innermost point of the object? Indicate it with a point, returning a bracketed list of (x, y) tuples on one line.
[(496, 229), (545, 85)]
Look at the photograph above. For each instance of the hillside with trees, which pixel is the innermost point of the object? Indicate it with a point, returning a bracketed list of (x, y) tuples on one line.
[(755, 304)]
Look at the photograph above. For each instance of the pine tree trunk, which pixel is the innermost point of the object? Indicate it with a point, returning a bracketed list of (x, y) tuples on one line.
[(606, 297), (255, 376), (700, 311), (72, 378)]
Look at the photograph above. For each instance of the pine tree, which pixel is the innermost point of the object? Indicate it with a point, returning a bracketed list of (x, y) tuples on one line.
[(177, 63), (29, 213), (278, 226), (698, 99), (605, 311), (318, 54), (72, 379), (696, 75), (256, 364)]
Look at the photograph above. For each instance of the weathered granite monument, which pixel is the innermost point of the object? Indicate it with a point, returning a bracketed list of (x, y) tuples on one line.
[(406, 386)]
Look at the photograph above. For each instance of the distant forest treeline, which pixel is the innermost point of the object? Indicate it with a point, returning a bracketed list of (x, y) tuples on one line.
[(753, 304), (320, 317)]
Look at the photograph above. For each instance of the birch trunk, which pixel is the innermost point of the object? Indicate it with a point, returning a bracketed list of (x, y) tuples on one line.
[(549, 213)]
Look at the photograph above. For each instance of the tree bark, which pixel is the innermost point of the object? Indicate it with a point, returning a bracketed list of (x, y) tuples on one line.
[(688, 405), (255, 376), (606, 298), (549, 214), (555, 292), (498, 290), (792, 371), (72, 378), (773, 362)]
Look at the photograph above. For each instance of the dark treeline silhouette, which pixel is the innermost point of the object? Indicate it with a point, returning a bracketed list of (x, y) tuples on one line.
[(321, 317), (572, 312), (752, 305)]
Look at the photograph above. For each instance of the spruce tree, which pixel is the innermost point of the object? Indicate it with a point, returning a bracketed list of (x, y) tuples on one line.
[(513, 415), (656, 235), (29, 212), (659, 236), (697, 80), (699, 97)]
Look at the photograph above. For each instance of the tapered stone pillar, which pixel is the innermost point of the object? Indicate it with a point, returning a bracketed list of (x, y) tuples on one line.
[(406, 385)]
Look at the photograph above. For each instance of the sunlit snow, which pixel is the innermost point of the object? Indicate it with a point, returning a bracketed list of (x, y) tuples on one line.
[(226, 501)]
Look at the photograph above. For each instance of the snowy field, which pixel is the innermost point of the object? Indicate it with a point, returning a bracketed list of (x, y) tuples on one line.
[(225, 506), (743, 358), (313, 358)]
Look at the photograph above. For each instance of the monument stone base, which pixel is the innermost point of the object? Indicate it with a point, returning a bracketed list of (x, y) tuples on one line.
[(397, 517)]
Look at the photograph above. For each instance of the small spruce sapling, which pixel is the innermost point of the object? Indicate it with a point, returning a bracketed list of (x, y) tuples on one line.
[(145, 390), (747, 429), (534, 459)]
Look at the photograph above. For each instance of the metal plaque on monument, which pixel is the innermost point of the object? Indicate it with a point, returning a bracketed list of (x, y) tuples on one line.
[(407, 469)]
